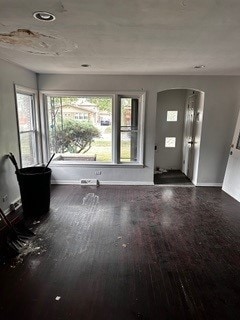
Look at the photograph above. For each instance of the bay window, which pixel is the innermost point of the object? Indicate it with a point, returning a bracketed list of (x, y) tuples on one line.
[(94, 128)]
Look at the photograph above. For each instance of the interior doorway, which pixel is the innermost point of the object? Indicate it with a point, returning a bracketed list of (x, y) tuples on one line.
[(178, 136)]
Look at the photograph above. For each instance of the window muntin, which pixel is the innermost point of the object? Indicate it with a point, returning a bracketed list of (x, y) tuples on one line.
[(26, 115)]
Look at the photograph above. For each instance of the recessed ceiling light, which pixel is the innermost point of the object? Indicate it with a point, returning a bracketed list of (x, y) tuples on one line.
[(44, 16), (201, 66), (85, 65)]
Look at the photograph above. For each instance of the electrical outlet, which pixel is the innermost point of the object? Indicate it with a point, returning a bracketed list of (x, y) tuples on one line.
[(5, 198), (98, 173)]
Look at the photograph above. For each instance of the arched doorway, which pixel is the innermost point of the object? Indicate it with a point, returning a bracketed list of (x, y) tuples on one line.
[(178, 136)]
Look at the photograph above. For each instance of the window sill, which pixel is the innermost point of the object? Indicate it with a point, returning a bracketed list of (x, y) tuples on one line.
[(91, 164)]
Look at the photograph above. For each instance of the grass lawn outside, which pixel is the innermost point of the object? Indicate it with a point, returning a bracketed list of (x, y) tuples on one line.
[(103, 150)]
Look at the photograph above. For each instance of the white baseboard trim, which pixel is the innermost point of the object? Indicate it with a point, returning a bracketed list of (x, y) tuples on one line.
[(7, 211), (116, 183), (65, 182), (175, 185), (134, 183), (127, 183), (208, 184)]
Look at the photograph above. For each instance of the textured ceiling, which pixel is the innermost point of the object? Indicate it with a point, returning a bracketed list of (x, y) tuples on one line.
[(123, 37)]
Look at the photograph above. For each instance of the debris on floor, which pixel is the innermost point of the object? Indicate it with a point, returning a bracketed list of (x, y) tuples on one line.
[(160, 170), (57, 298), (30, 248), (124, 245), (36, 222)]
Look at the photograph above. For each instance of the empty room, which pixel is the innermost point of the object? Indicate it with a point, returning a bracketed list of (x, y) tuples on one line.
[(119, 159)]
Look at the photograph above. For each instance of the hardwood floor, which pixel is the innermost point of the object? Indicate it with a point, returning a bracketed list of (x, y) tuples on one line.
[(119, 253)]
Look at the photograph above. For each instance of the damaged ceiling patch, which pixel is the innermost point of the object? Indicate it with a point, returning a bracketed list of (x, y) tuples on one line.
[(33, 42)]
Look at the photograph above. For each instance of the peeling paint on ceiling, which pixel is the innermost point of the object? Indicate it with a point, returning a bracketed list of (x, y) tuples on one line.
[(33, 42)]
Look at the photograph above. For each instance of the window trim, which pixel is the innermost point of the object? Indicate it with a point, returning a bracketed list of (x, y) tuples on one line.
[(115, 95), (35, 118)]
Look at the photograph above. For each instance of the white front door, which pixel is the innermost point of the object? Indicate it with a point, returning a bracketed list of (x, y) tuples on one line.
[(231, 183), (190, 137)]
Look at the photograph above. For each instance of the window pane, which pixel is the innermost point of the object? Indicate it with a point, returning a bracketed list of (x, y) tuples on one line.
[(80, 128), (126, 111), (172, 116), (25, 117), (170, 142), (28, 148), (128, 147)]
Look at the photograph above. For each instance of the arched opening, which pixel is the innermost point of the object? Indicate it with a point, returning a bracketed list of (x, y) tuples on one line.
[(178, 136)]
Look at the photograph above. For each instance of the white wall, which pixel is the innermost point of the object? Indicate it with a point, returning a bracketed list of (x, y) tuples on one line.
[(10, 74), (170, 100), (220, 112)]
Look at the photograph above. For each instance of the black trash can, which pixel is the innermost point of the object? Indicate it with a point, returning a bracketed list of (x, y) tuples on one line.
[(35, 183)]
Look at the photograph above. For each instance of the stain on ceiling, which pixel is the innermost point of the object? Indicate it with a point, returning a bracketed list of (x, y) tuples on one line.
[(28, 41), (123, 37)]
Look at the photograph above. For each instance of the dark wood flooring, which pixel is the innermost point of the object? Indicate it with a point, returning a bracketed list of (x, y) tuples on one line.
[(121, 253), (172, 177)]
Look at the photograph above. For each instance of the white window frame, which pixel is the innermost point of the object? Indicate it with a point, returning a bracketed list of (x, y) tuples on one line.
[(35, 120), (140, 95)]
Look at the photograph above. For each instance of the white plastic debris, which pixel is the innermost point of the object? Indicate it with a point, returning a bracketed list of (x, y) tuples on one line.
[(36, 222), (124, 245), (57, 298), (160, 170), (120, 237)]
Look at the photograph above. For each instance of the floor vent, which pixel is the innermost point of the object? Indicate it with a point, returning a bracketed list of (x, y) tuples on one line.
[(89, 182)]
